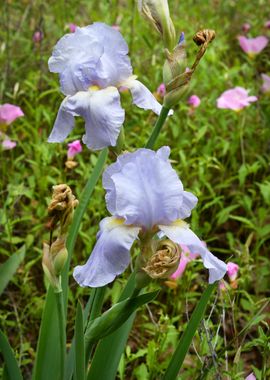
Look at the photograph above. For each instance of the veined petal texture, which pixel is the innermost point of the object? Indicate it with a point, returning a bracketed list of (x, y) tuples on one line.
[(145, 190), (110, 256), (181, 234), (95, 55), (142, 97), (101, 111)]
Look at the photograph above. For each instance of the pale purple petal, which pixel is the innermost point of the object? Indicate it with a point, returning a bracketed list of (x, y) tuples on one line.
[(8, 144), (253, 46), (235, 99), (142, 97), (181, 234), (102, 113), (63, 124), (93, 55), (266, 83), (9, 113), (110, 256), (145, 190)]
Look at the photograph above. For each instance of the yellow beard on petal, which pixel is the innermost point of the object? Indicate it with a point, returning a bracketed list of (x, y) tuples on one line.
[(94, 88)]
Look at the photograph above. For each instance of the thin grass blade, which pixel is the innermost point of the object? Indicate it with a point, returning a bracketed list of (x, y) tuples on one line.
[(9, 267), (186, 338), (12, 371), (79, 345)]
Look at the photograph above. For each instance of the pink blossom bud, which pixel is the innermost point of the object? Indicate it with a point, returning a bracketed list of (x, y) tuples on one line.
[(37, 36), (72, 27), (232, 270), (8, 144), (266, 83), (267, 24), (246, 27), (9, 113), (161, 90), (186, 257), (116, 27), (194, 101), (251, 376), (74, 148)]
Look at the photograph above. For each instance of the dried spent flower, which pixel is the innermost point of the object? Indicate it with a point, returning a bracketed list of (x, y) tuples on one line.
[(175, 75), (62, 206), (164, 262), (55, 254)]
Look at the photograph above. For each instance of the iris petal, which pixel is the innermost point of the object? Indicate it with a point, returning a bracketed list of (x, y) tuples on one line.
[(63, 124), (110, 256), (145, 190), (102, 113), (142, 97), (181, 234)]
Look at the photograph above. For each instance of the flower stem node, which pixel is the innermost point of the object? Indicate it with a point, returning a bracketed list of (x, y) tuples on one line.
[(164, 262)]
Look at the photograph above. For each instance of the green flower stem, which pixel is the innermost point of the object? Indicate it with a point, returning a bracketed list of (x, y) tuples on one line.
[(98, 297), (157, 128), (186, 338), (62, 331), (242, 120)]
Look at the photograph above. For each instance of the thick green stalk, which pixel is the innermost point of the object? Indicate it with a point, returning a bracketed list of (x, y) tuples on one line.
[(186, 338), (157, 128), (62, 331)]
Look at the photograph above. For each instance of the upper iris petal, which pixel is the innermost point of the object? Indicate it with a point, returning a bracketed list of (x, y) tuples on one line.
[(145, 190), (93, 55)]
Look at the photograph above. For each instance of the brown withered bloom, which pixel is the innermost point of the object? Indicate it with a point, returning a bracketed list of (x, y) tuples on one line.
[(164, 261), (61, 209)]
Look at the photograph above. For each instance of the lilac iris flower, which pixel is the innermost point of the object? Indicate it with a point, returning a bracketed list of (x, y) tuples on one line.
[(93, 64), (144, 194)]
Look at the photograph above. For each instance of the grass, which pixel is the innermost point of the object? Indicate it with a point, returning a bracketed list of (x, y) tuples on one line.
[(234, 196)]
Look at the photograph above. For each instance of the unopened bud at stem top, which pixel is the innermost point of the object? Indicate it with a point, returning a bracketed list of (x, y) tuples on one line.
[(158, 13)]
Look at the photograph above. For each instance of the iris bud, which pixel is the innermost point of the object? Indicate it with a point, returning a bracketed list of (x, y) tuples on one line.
[(158, 13)]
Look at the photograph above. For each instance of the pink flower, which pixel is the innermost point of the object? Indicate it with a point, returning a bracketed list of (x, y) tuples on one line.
[(252, 46), (267, 24), (74, 148), (232, 271), (235, 99), (9, 113), (72, 27), (266, 83), (251, 376), (8, 144), (161, 90), (194, 101), (116, 27), (37, 36), (246, 27), (186, 257)]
